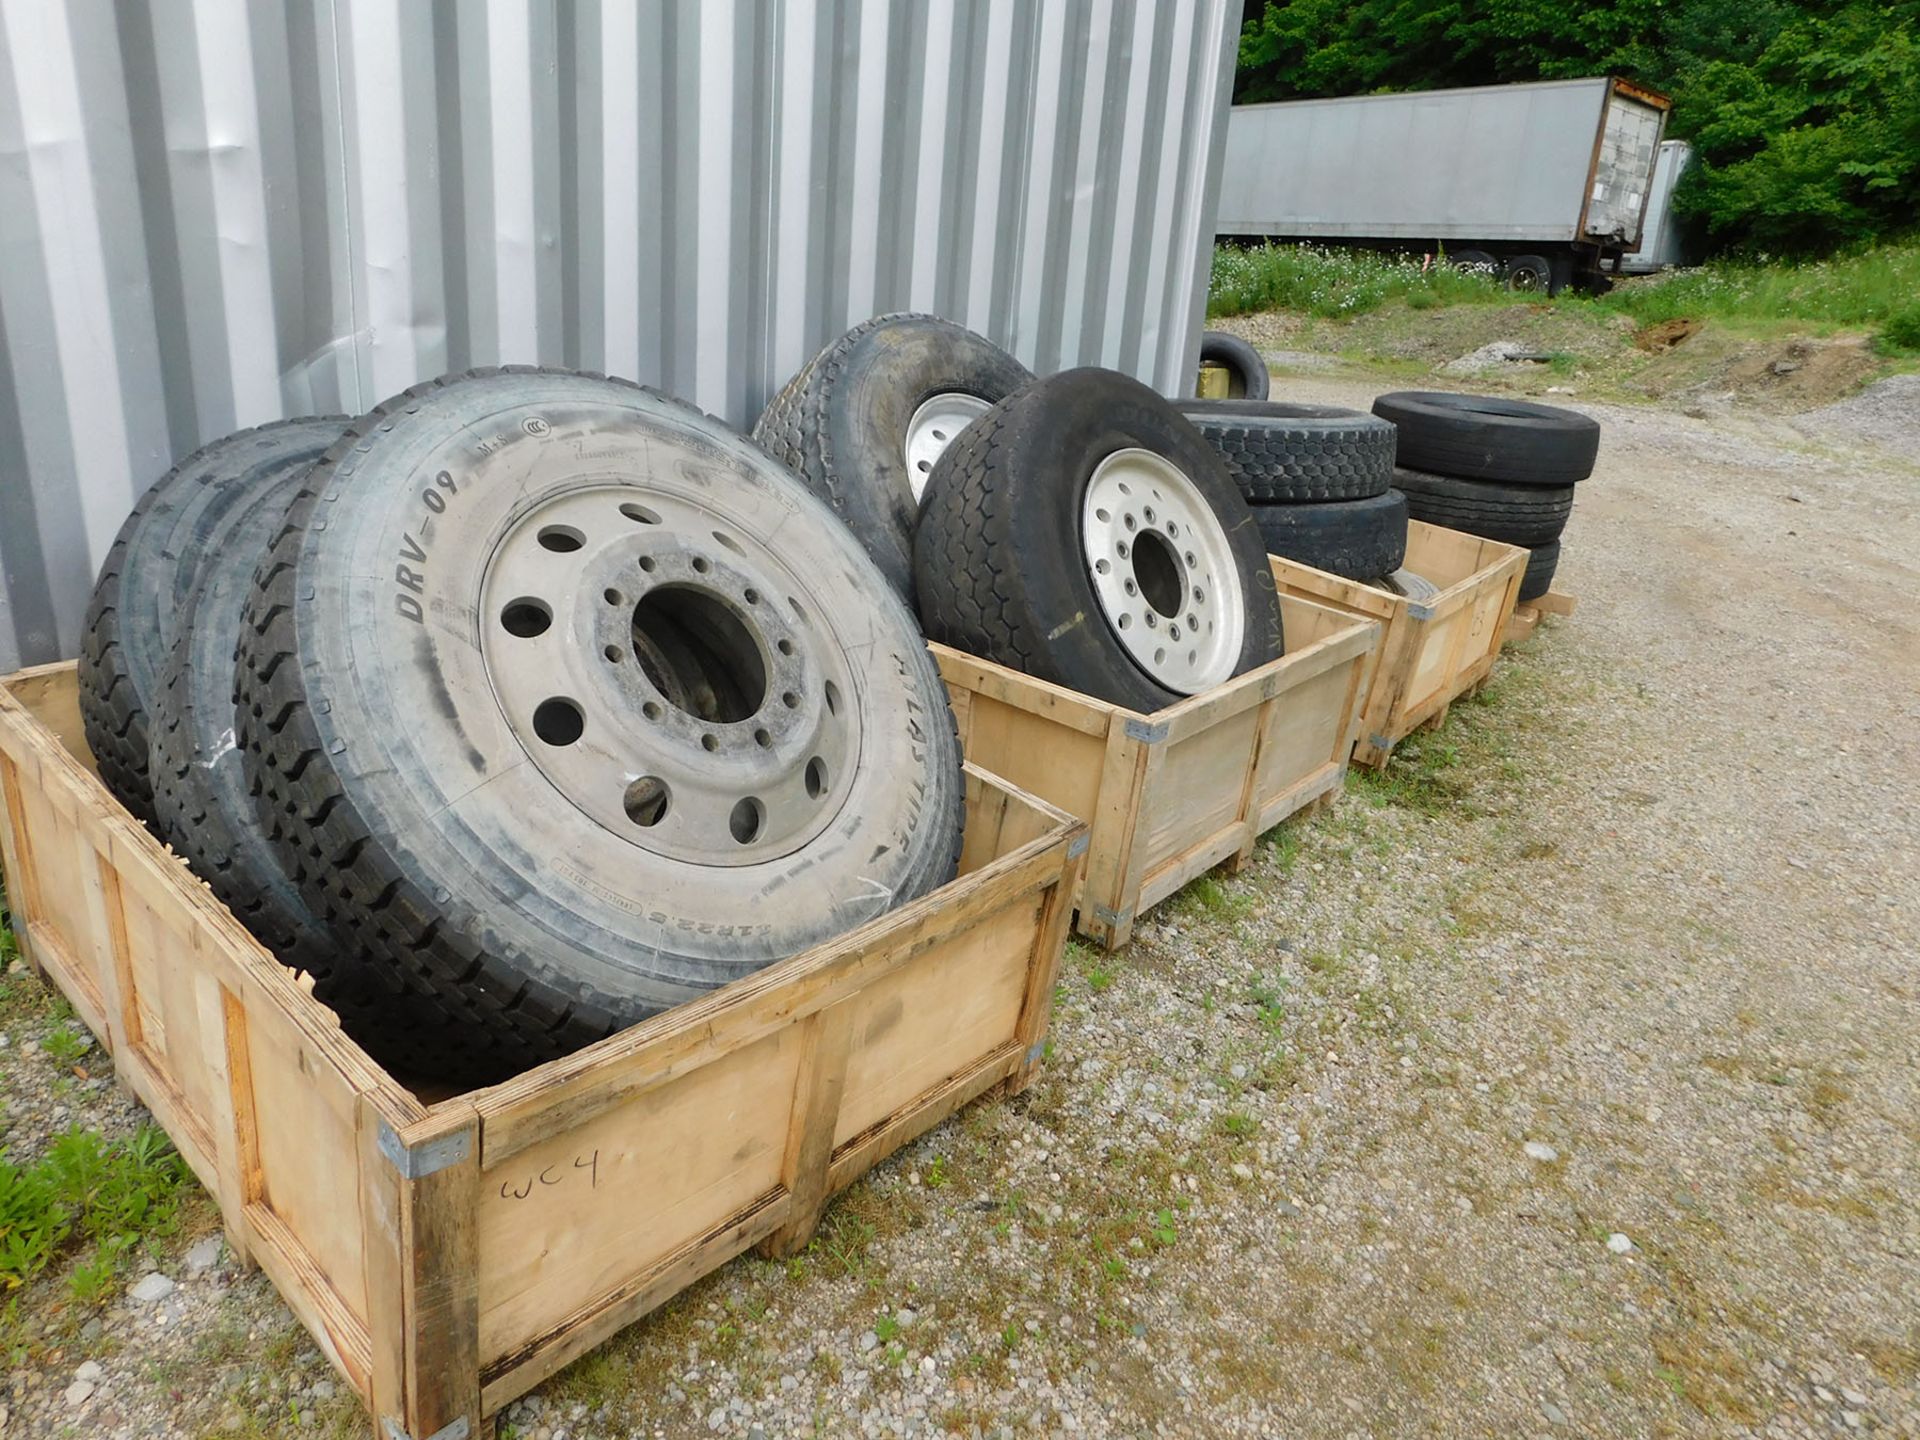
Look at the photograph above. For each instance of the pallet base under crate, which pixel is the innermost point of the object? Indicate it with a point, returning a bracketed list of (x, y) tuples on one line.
[(1528, 614)]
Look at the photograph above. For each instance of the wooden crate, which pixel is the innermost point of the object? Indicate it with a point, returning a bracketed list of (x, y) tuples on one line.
[(1171, 795), (449, 1256), (1527, 614), (1433, 652)]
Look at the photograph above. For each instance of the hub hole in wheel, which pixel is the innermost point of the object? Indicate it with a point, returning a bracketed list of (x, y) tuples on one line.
[(833, 698), (700, 654), (1157, 568), (561, 539), (647, 800), (526, 618), (728, 541), (639, 514), (748, 818), (559, 722), (816, 777)]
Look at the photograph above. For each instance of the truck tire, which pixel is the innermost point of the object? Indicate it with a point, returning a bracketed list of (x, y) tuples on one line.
[(1531, 274), (1355, 539), (1082, 531), (1478, 260), (1247, 374), (200, 789), (1541, 564), (865, 420), (1288, 453), (567, 704), (1405, 583), (150, 571), (1486, 437), (1517, 514)]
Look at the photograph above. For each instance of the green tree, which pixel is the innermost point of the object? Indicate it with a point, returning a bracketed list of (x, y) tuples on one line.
[(1805, 117)]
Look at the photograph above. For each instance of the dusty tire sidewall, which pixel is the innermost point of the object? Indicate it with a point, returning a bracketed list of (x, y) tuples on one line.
[(388, 584)]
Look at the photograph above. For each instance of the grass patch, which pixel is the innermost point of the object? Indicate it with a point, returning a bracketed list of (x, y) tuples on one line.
[(1329, 283), (1869, 290), (97, 1198)]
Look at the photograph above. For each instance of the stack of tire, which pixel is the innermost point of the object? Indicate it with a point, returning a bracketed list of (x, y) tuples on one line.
[(1075, 528), (1318, 479), (519, 709), (1493, 467)]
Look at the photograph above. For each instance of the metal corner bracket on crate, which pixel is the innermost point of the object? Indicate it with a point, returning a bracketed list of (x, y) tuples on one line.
[(458, 1430), (417, 1161)]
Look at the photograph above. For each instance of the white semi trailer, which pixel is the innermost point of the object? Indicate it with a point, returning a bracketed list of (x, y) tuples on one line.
[(1547, 182)]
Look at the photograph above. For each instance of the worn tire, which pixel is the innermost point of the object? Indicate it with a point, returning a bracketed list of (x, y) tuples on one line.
[(1355, 539), (1247, 375), (1486, 437), (144, 583), (1000, 563), (1517, 514), (842, 423), (1407, 584), (1541, 564), (200, 789), (1280, 453), (524, 913), (1530, 274)]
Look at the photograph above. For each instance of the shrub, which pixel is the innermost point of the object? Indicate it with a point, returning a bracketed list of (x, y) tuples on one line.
[(1901, 333)]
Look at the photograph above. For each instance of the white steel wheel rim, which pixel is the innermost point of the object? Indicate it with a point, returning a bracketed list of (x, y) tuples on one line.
[(936, 424), (1163, 571)]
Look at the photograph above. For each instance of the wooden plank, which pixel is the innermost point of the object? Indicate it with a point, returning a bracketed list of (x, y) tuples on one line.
[(605, 1315), (419, 1195), (825, 1038), (1043, 969), (308, 1290), (563, 1093), (1024, 692), (859, 1153)]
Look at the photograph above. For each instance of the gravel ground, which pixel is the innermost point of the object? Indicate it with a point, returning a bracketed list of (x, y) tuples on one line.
[(1561, 1082)]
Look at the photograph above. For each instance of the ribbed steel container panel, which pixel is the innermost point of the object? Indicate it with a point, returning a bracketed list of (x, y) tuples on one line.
[(214, 212)]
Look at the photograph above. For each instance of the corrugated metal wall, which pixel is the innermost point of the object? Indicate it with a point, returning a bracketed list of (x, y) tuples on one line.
[(215, 212)]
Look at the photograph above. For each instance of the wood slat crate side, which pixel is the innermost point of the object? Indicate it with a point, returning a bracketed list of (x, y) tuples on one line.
[(200, 1020), (1434, 651), (1168, 796), (447, 1258)]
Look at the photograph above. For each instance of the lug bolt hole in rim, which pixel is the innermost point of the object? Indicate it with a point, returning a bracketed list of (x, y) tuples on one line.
[(706, 743), (1142, 578)]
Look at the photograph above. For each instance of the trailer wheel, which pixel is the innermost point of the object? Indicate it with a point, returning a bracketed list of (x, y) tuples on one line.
[(1247, 374), (566, 704), (1082, 532), (1475, 260), (1531, 274)]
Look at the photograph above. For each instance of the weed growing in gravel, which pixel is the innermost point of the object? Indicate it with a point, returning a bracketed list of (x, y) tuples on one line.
[(1207, 898), (109, 1195), (65, 1045)]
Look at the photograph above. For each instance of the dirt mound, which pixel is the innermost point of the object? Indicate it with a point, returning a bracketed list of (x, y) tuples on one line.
[(1803, 372), (1664, 335)]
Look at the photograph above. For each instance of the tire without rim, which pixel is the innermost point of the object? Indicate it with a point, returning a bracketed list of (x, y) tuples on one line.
[(1355, 539), (1517, 514), (149, 573), (1485, 437), (1541, 564), (592, 743), (1288, 453), (865, 420), (1012, 533), (1247, 375)]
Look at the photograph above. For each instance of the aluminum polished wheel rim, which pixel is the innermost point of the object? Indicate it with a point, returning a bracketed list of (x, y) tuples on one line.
[(936, 424), (1163, 571), (669, 674)]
